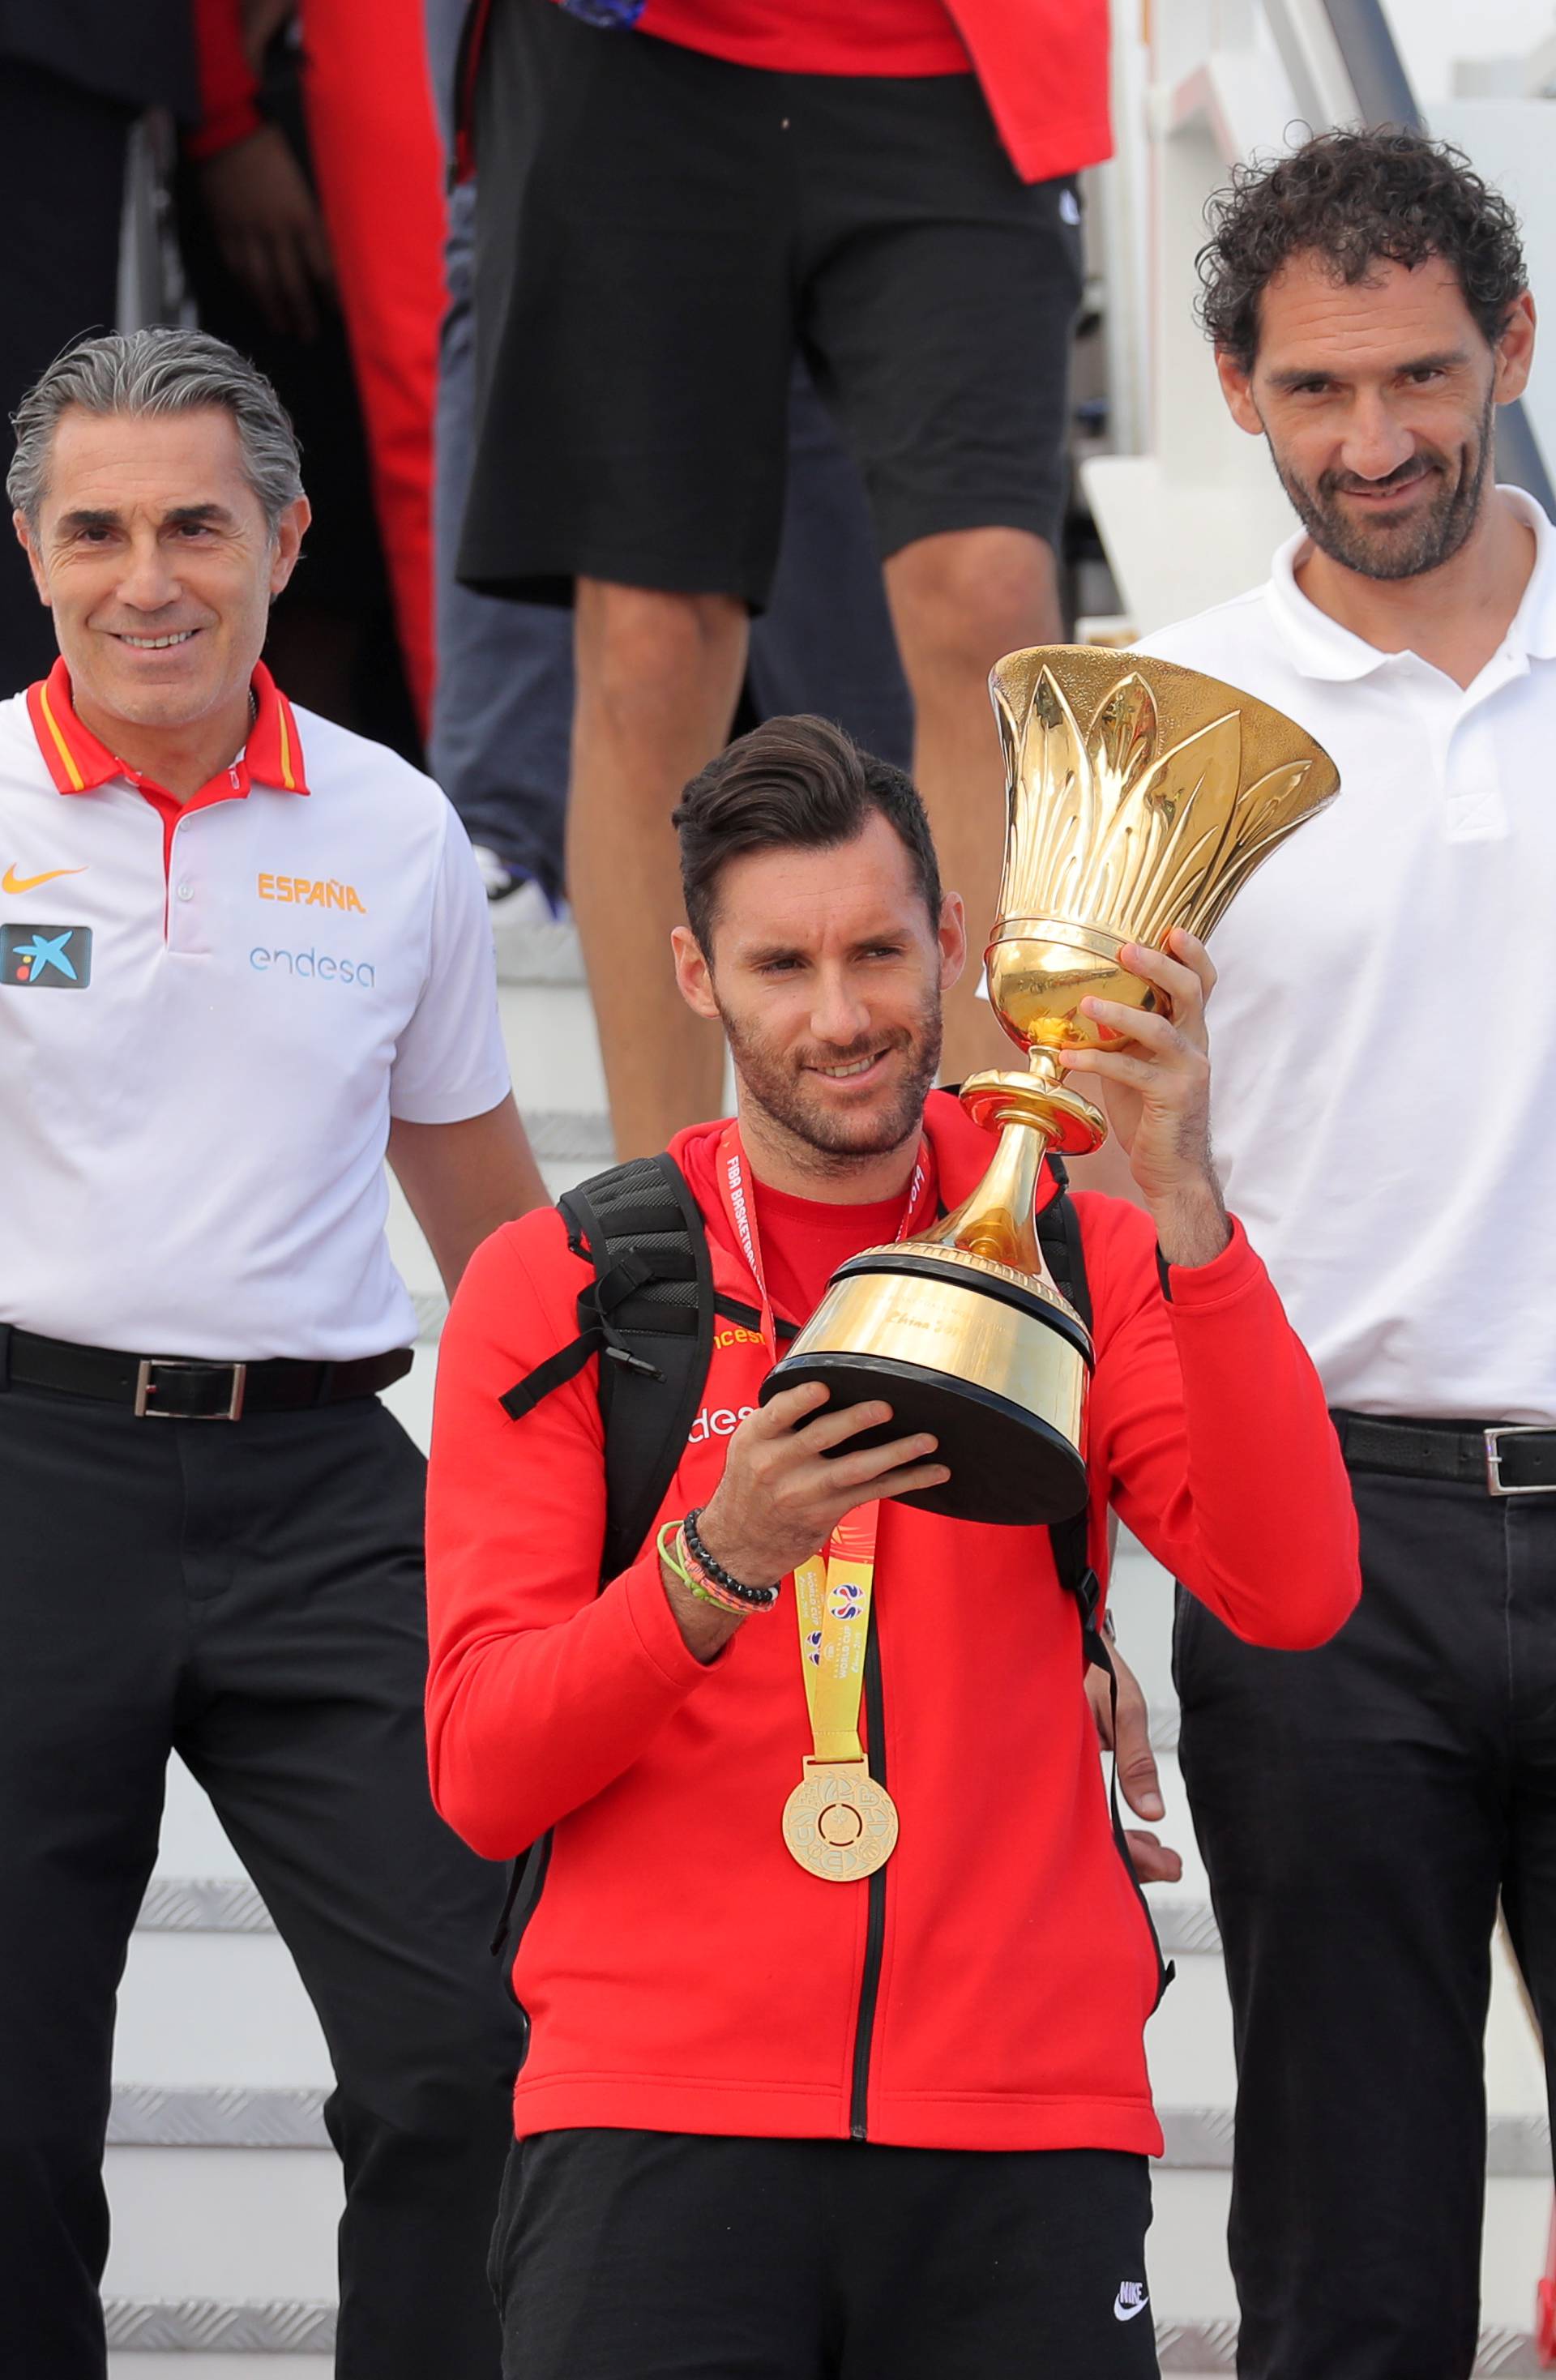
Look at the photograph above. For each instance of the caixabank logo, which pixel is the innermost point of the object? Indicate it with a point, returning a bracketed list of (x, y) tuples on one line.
[(46, 958)]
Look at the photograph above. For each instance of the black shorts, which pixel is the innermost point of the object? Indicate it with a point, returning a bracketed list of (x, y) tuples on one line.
[(673, 2257), (658, 231)]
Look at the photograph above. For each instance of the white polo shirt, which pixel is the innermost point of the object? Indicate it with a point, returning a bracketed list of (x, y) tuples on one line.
[(208, 1014), (1383, 1032)]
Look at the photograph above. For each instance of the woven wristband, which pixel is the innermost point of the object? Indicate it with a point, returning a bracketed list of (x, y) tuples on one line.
[(743, 1599), (704, 1592)]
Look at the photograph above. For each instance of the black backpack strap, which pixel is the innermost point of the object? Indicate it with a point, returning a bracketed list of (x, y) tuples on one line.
[(651, 1304), (733, 1310), (550, 1374), (1059, 1233), (1059, 1230), (649, 1315)]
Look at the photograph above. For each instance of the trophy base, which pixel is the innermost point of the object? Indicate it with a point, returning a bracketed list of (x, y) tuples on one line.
[(991, 1362)]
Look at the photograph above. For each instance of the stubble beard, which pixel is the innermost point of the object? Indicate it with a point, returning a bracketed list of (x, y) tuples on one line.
[(774, 1082), (1422, 544)]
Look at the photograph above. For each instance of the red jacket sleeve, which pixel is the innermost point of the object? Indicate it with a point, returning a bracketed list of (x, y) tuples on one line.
[(1210, 1433), (228, 87), (543, 1690)]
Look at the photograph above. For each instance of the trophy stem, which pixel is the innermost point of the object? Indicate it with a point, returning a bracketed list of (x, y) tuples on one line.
[(997, 1221)]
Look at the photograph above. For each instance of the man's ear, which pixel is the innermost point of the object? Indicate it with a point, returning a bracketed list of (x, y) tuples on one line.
[(288, 542), (693, 974), (1237, 386), (1514, 351), (25, 540), (952, 936)]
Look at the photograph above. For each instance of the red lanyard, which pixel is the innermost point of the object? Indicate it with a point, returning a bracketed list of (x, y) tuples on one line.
[(737, 1191)]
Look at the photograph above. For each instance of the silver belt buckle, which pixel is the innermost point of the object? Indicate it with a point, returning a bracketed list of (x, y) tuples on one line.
[(145, 1388), (1494, 1458)]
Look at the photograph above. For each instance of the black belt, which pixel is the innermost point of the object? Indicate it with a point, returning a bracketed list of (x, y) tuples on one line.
[(188, 1388), (1501, 1458)]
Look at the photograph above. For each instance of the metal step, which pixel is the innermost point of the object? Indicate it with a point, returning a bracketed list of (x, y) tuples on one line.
[(215, 2116), (547, 956), (218, 1904), (285, 2204), (150, 2115), (209, 2327), (195, 2325), (1202, 2347), (152, 2364), (229, 1905), (183, 1904), (568, 1136)]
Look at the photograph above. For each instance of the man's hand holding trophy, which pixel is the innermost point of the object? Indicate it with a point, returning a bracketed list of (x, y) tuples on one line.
[(1153, 1065)]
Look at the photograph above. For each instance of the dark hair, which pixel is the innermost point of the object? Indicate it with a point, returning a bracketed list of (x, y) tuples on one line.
[(792, 783), (1357, 200)]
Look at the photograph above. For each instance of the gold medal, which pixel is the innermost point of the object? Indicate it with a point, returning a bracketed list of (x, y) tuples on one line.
[(838, 1823)]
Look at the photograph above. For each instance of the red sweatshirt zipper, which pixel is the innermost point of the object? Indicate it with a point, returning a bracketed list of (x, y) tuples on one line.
[(875, 1926)]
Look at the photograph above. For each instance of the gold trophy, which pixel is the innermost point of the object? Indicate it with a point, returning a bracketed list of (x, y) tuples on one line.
[(1141, 796)]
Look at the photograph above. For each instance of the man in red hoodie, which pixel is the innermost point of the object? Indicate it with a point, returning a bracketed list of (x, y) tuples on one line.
[(774, 2122)]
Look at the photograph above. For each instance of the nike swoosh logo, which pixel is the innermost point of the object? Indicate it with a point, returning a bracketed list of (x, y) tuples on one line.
[(1123, 2313), (12, 882)]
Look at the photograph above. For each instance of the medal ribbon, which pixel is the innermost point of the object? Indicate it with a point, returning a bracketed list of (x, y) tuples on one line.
[(832, 1601), (832, 1593)]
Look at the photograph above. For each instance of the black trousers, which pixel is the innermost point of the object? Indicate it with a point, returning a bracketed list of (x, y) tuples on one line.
[(624, 2255), (62, 172), (250, 1595), (1360, 1808)]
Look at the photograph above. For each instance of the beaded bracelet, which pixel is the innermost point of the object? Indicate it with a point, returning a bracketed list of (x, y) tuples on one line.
[(712, 1573), (743, 1600)]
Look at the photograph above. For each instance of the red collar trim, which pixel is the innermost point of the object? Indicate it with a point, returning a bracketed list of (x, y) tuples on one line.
[(274, 749), (73, 757), (80, 764)]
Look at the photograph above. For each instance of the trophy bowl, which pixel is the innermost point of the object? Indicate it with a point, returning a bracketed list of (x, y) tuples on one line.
[(1140, 796)]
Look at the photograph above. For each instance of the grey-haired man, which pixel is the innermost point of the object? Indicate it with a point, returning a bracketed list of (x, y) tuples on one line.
[(242, 954)]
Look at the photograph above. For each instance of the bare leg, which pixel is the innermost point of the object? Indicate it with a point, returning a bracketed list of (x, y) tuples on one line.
[(658, 679), (958, 601)]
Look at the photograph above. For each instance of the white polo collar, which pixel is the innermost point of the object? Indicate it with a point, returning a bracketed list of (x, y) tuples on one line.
[(1318, 647)]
